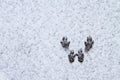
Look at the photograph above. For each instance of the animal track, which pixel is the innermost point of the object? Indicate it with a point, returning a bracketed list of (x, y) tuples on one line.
[(71, 57)]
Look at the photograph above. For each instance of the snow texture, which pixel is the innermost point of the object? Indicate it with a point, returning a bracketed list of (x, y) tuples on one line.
[(31, 31)]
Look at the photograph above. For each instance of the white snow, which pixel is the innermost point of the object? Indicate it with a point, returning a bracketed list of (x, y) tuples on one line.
[(31, 31)]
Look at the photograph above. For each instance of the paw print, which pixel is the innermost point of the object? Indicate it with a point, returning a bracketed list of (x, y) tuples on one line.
[(89, 43), (71, 56), (80, 56), (65, 43)]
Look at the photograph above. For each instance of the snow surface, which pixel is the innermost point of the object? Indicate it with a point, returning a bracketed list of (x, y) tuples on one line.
[(30, 34)]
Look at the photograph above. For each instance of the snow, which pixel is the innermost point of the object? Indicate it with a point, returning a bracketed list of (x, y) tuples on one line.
[(31, 31)]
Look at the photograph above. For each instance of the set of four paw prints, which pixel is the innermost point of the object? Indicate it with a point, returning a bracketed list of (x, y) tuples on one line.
[(71, 57)]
